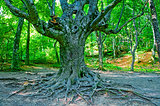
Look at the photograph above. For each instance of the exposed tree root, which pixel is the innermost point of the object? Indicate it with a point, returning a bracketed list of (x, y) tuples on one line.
[(9, 79), (85, 88)]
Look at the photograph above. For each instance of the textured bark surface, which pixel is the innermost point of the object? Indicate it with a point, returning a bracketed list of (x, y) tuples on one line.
[(155, 26), (15, 58), (72, 58)]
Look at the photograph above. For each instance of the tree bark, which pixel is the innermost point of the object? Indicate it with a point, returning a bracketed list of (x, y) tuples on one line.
[(135, 46), (72, 60), (154, 47), (155, 26), (15, 57), (27, 48)]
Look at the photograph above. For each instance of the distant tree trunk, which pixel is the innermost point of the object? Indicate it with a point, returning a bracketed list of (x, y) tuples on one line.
[(55, 48), (119, 45), (154, 48), (7, 51), (155, 26), (113, 46), (135, 46), (91, 45), (100, 46), (21, 53), (1, 56), (27, 48), (15, 58)]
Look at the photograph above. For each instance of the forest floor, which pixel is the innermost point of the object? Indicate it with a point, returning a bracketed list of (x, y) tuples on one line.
[(147, 84), (143, 62)]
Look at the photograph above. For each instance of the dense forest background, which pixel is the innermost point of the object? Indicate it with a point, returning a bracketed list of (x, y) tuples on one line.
[(116, 48)]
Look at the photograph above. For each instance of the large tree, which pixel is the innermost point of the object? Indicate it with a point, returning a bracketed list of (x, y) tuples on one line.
[(71, 33)]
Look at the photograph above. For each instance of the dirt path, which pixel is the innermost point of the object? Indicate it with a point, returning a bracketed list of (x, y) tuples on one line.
[(146, 84)]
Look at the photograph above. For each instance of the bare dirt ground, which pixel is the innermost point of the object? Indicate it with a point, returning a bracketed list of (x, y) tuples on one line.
[(147, 84)]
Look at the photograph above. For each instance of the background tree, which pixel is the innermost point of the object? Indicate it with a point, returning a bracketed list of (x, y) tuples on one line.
[(55, 48), (15, 58), (155, 24), (27, 48), (100, 41)]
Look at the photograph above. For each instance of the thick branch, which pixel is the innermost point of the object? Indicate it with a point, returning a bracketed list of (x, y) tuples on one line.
[(32, 16), (120, 16), (64, 4), (17, 12), (109, 31), (103, 13), (51, 8), (92, 8)]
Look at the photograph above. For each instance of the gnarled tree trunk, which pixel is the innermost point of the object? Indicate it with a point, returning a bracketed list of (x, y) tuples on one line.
[(73, 66), (72, 59)]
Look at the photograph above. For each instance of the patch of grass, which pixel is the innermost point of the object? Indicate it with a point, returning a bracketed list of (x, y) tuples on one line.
[(108, 66), (56, 65), (93, 63)]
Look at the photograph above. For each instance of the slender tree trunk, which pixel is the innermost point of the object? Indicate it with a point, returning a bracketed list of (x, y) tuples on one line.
[(1, 55), (55, 49), (7, 50), (91, 46), (100, 46), (154, 47), (133, 60), (27, 48), (21, 53), (153, 53), (135, 46), (15, 58), (113, 46), (155, 26)]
